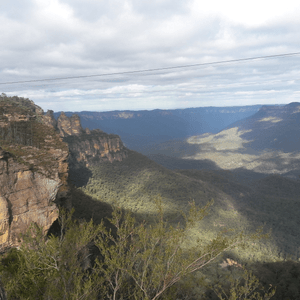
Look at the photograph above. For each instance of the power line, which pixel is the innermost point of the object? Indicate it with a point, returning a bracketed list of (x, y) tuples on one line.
[(157, 69), (204, 89), (108, 94)]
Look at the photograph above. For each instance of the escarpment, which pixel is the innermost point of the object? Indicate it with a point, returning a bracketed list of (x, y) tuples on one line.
[(33, 169), (38, 155), (26, 196), (89, 147), (86, 148)]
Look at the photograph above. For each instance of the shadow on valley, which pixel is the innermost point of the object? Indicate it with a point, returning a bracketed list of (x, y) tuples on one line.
[(284, 274), (275, 127), (79, 175), (226, 150), (243, 200), (172, 148), (174, 163), (87, 208)]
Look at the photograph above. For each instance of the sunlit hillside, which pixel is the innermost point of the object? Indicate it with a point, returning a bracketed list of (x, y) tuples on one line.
[(266, 143), (135, 182)]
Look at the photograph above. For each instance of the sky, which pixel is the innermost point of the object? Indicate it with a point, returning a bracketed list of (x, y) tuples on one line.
[(46, 44)]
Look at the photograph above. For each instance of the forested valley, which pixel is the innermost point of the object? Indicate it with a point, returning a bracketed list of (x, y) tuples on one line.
[(135, 229)]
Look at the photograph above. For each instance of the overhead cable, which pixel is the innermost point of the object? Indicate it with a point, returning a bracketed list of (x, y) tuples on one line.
[(157, 69)]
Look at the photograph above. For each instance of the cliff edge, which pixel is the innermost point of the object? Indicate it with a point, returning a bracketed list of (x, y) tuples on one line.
[(33, 169), (38, 155), (89, 147)]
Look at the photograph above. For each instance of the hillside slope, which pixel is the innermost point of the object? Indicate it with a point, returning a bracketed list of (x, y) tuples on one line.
[(267, 143), (272, 127), (135, 182)]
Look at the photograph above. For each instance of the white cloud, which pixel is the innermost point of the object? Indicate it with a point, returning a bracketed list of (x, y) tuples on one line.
[(65, 38), (252, 13)]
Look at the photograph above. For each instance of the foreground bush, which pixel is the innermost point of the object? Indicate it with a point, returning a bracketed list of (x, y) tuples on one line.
[(54, 267), (130, 260)]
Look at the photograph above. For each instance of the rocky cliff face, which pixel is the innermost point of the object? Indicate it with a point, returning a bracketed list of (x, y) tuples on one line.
[(89, 147), (49, 120), (86, 148), (69, 126), (33, 170), (26, 196), (36, 152)]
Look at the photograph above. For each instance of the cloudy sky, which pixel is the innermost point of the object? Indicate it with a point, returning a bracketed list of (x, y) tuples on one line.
[(46, 44)]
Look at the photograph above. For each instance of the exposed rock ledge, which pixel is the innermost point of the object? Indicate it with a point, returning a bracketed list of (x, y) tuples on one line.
[(34, 165), (26, 196), (87, 147), (94, 147)]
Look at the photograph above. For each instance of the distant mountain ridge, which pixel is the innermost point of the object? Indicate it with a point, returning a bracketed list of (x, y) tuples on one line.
[(272, 127), (267, 142), (141, 129)]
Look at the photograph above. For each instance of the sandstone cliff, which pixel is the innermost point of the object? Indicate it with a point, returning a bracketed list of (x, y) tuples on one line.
[(33, 169), (25, 196), (49, 120), (37, 154), (69, 126), (92, 148), (89, 147), (86, 148)]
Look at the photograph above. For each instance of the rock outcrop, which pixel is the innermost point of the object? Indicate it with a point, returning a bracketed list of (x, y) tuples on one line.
[(89, 147), (36, 155), (33, 170), (25, 197), (95, 147), (49, 120), (69, 126)]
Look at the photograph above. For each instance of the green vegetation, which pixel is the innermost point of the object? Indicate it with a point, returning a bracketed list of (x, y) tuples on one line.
[(272, 201), (51, 268), (125, 260), (145, 236), (23, 134), (244, 286), (133, 182), (17, 105), (239, 203)]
